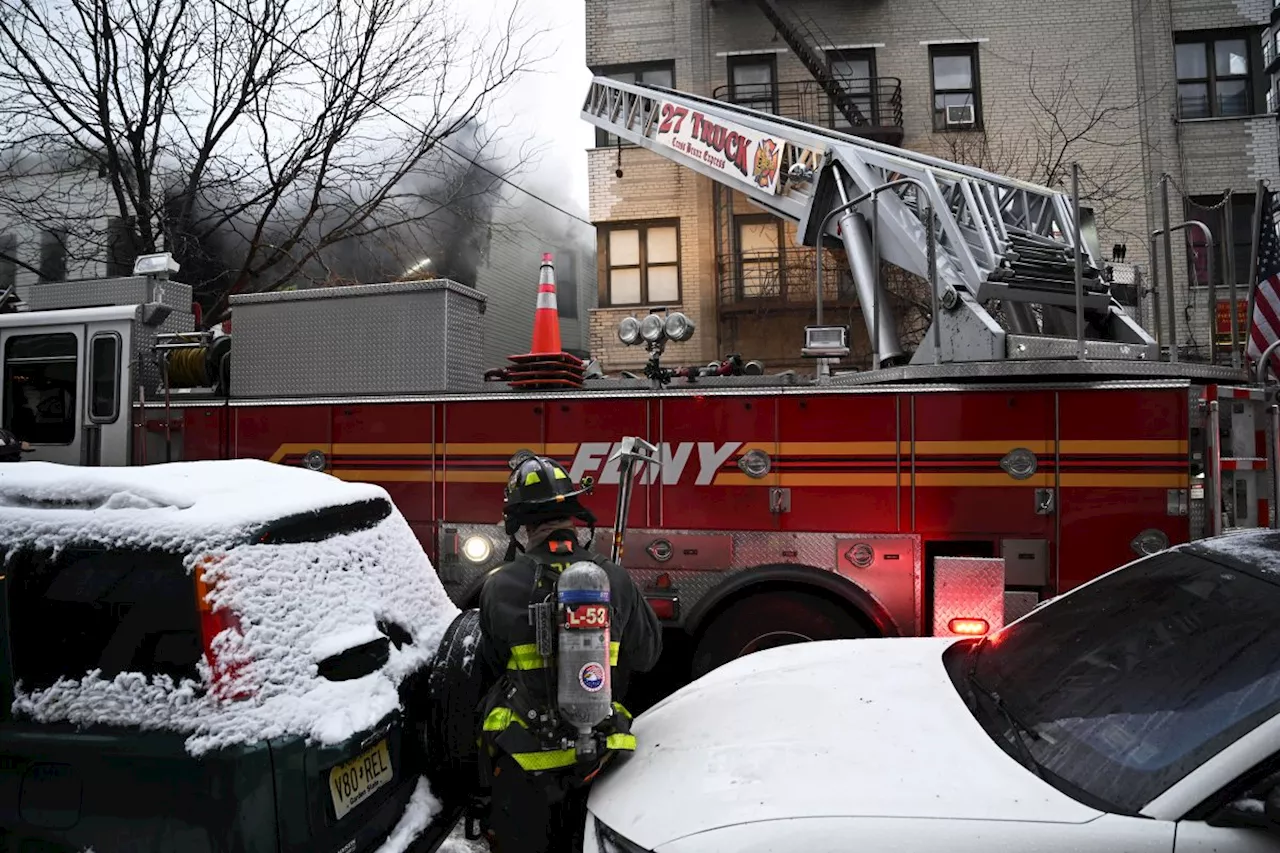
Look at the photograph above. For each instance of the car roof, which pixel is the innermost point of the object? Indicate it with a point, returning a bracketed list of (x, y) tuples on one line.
[(179, 504)]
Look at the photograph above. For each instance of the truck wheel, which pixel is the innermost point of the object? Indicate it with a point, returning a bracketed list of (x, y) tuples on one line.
[(450, 724), (769, 619)]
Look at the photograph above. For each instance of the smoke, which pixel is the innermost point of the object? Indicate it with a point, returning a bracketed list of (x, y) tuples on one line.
[(439, 222)]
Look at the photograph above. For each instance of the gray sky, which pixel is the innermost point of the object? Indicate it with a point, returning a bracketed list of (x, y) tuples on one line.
[(545, 105)]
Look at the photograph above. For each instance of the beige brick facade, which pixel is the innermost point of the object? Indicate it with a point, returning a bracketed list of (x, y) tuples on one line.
[(1101, 70)]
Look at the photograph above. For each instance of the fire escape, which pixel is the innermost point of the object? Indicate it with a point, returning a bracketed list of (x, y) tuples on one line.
[(872, 107), (762, 287)]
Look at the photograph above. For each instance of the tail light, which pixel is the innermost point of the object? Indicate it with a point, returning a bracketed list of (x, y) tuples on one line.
[(664, 608), (969, 627), (662, 596), (225, 673)]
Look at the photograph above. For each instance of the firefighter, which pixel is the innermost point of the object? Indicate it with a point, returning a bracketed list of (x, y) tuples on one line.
[(537, 788)]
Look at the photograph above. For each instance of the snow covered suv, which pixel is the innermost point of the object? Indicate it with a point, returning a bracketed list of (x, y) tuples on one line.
[(212, 656)]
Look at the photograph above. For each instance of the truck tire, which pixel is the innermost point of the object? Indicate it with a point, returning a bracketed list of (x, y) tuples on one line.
[(767, 619), (450, 718)]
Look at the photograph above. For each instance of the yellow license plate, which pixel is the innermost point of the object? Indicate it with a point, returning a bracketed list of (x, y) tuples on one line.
[(354, 781)]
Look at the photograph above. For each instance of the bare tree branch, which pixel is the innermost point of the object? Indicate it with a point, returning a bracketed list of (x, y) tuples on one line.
[(248, 137)]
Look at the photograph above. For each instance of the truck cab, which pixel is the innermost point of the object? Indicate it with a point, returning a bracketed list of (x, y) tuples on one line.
[(66, 382), (75, 358)]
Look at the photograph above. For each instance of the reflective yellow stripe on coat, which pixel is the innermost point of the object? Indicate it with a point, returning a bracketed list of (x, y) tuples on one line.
[(557, 758), (525, 657)]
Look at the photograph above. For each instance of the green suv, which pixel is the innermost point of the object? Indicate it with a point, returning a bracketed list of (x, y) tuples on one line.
[(213, 656)]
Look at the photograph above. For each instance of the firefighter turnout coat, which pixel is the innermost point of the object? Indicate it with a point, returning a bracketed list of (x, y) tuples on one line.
[(518, 712)]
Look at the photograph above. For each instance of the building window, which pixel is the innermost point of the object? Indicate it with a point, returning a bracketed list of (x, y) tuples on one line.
[(53, 255), (1213, 75), (649, 73), (40, 387), (1209, 210), (957, 89), (759, 257), (855, 71), (8, 261), (642, 263), (567, 284), (753, 81)]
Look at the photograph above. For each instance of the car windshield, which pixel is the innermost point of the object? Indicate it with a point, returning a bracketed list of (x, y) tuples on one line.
[(1120, 689)]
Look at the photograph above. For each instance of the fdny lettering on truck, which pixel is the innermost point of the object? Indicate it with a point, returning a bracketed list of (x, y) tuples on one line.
[(675, 462)]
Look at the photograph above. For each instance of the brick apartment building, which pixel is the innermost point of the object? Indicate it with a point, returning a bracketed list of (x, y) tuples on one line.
[(1130, 90)]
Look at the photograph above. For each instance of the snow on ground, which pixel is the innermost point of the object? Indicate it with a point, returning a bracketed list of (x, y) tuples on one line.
[(293, 601), (457, 842), (417, 815), (422, 808)]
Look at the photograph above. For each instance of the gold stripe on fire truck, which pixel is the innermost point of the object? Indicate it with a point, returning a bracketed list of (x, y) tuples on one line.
[(427, 449), (1066, 446), (417, 475), (888, 479), (1113, 480)]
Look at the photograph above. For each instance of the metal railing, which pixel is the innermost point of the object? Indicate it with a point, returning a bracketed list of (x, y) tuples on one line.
[(778, 280), (878, 100)]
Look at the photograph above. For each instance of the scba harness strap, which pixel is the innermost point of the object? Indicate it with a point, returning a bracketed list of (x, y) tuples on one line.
[(534, 736)]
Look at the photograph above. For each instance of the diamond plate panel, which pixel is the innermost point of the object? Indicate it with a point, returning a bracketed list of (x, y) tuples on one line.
[(133, 290), (891, 583), (967, 588), (1046, 370), (147, 369), (1036, 346), (1019, 604), (464, 359), (398, 338)]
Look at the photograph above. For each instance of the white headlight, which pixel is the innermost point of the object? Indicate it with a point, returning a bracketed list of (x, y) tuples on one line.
[(679, 327), (477, 548), (651, 328), (629, 330)]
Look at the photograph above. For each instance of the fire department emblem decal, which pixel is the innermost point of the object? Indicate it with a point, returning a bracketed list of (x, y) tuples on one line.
[(592, 677), (766, 166)]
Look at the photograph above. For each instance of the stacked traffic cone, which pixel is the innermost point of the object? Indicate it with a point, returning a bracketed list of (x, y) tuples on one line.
[(546, 365)]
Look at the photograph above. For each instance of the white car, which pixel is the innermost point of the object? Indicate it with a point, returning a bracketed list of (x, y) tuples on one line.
[(1140, 712)]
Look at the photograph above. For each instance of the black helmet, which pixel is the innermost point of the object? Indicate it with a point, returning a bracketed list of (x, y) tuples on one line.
[(539, 489)]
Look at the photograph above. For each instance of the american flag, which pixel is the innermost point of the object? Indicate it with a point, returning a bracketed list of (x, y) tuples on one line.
[(1264, 326)]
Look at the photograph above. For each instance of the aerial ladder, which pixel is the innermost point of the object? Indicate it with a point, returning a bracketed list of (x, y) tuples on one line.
[(997, 241)]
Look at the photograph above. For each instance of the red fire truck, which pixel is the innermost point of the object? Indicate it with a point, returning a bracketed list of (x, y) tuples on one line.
[(1005, 463)]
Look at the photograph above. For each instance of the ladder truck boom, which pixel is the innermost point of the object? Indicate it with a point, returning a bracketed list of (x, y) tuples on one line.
[(997, 238)]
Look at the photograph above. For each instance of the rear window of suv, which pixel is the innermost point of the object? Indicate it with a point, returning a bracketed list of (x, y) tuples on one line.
[(86, 608)]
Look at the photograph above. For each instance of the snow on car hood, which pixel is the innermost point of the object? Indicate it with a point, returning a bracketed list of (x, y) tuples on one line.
[(853, 728)]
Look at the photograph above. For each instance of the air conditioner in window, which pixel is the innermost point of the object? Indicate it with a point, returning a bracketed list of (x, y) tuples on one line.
[(960, 116)]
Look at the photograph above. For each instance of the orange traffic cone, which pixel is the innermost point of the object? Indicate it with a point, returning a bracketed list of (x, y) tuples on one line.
[(546, 364), (546, 318)]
